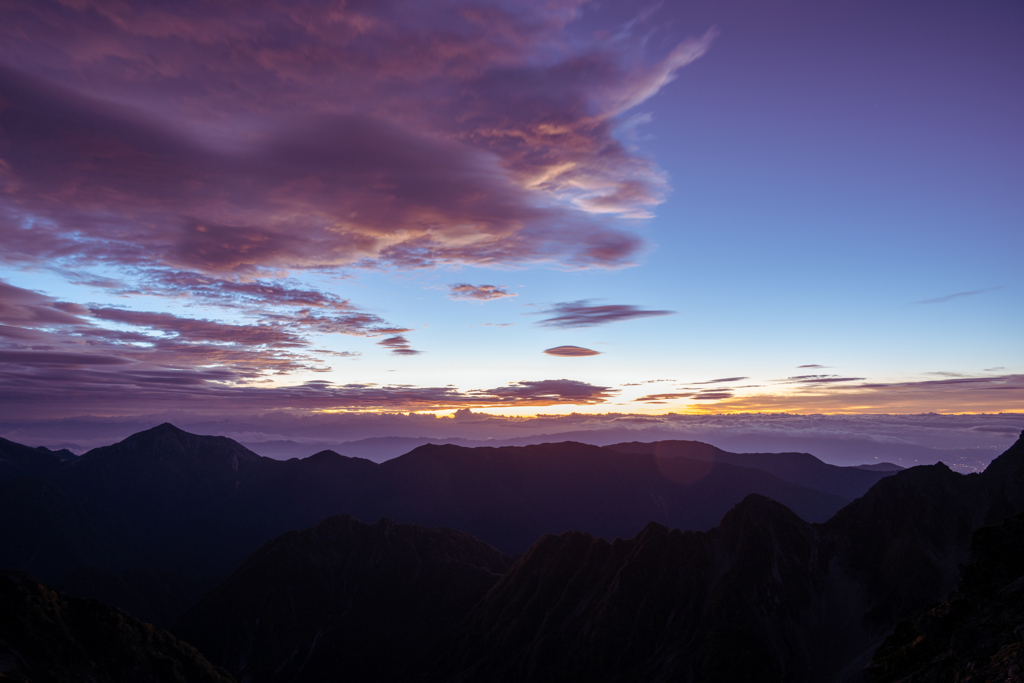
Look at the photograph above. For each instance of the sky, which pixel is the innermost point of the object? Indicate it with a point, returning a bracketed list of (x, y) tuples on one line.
[(549, 208)]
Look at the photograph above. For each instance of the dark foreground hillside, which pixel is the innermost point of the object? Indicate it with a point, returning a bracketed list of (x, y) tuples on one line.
[(343, 601), (49, 637), (978, 634), (765, 596)]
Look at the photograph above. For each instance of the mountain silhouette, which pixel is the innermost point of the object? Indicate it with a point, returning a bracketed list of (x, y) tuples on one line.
[(153, 521), (763, 596), (21, 461)]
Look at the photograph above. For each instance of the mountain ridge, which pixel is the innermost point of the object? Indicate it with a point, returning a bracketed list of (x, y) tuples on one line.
[(166, 500), (764, 595)]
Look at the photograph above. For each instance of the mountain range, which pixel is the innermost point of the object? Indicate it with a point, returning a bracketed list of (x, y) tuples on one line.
[(166, 513), (627, 575), (764, 596)]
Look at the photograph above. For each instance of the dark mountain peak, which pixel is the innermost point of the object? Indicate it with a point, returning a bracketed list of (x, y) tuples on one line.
[(759, 513), (167, 444), (1009, 463), (553, 551), (327, 454), (432, 450), (62, 454)]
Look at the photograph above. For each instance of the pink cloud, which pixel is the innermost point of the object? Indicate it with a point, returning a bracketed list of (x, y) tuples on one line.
[(460, 133), (571, 351), (478, 292), (399, 346)]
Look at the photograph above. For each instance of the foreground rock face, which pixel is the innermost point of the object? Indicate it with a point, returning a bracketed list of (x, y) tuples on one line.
[(342, 601), (764, 596), (978, 634), (47, 636)]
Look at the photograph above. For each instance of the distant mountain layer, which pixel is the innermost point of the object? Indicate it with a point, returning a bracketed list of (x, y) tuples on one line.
[(21, 461), (765, 596), (848, 451), (48, 636), (187, 508)]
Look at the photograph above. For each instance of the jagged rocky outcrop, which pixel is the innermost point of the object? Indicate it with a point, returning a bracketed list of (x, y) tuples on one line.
[(978, 633), (342, 601), (47, 636), (764, 596)]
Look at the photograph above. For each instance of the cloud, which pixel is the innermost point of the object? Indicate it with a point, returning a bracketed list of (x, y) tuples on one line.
[(550, 392), (703, 395), (342, 190), (582, 314), (465, 291), (316, 135), (571, 351), (950, 297), (25, 308), (658, 398), (723, 380), (812, 365), (43, 332), (216, 154), (399, 346), (963, 394), (818, 379), (45, 358), (194, 330), (30, 391)]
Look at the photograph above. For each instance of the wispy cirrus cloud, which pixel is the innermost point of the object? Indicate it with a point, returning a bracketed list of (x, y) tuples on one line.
[(57, 362), (464, 291), (583, 314), (39, 331), (958, 295), (703, 395), (723, 380), (818, 379), (852, 395)]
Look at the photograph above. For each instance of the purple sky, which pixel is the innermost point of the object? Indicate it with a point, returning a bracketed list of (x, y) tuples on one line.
[(517, 207)]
